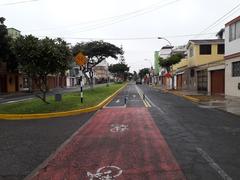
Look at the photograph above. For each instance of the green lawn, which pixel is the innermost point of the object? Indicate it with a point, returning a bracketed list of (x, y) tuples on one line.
[(70, 101)]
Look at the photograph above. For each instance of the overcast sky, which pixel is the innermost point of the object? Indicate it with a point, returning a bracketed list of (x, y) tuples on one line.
[(116, 21)]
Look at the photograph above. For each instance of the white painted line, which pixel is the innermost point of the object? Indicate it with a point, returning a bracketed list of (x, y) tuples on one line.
[(118, 128), (9, 102), (117, 101), (106, 173), (214, 165), (110, 107)]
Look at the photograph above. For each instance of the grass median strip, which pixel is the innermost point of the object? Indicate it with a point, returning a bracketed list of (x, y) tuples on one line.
[(70, 101)]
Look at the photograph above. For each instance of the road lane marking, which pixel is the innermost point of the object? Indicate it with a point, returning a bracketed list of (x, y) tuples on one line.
[(214, 165), (106, 173), (14, 101), (152, 104), (145, 102), (118, 128)]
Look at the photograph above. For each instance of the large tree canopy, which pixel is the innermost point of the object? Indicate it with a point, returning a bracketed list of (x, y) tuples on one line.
[(167, 63), (120, 70), (4, 41), (39, 58), (96, 52), (143, 72)]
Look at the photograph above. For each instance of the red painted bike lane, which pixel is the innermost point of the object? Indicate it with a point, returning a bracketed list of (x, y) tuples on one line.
[(119, 144)]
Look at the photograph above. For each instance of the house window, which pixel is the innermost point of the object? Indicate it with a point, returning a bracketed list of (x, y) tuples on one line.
[(205, 49), (236, 69), (191, 52), (220, 48), (25, 82), (238, 30), (234, 31)]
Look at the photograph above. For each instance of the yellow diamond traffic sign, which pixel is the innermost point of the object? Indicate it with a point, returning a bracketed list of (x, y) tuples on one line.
[(80, 59)]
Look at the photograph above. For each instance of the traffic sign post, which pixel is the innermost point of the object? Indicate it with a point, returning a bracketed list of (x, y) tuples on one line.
[(81, 60)]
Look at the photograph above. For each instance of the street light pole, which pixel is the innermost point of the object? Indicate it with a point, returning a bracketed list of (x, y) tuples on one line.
[(170, 54), (165, 40)]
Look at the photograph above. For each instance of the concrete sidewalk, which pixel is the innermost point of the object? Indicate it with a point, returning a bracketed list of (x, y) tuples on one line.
[(226, 103)]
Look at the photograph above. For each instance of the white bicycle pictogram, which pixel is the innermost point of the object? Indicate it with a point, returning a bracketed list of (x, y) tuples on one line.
[(119, 128), (105, 173)]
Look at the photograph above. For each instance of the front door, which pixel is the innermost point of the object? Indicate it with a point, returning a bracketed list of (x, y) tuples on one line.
[(218, 81)]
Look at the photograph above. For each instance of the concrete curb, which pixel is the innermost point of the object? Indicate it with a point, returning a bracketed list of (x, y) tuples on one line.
[(60, 114), (195, 100)]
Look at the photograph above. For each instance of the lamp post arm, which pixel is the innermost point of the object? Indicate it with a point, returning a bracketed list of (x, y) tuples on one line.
[(165, 40)]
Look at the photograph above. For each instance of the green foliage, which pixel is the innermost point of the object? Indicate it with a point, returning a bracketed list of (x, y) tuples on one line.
[(135, 76), (143, 72), (4, 41), (96, 52), (167, 63), (120, 70), (70, 101), (39, 58)]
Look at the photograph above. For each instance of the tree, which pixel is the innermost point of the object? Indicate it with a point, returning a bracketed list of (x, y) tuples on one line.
[(4, 41), (143, 72), (135, 76), (6, 54), (120, 70), (167, 63), (39, 58), (121, 57), (96, 52)]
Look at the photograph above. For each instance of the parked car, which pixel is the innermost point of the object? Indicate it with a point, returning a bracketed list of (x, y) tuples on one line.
[(138, 81)]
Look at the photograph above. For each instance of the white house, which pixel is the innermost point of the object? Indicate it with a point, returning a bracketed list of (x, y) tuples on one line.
[(232, 57), (164, 53)]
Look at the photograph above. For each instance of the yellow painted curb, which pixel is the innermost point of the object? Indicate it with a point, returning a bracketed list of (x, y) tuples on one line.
[(191, 98), (60, 114), (196, 100)]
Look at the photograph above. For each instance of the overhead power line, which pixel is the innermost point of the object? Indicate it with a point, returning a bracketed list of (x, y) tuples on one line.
[(221, 19), (128, 38), (18, 2), (99, 23), (124, 17)]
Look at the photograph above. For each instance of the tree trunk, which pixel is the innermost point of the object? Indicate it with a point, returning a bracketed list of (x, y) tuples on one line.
[(91, 79), (42, 85), (87, 78)]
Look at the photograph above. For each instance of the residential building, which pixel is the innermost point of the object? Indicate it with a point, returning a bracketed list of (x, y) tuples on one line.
[(165, 79), (232, 57), (177, 72), (205, 72), (101, 73), (14, 33)]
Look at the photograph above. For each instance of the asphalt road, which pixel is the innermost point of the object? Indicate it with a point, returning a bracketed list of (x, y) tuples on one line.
[(201, 143), (204, 141), (26, 144)]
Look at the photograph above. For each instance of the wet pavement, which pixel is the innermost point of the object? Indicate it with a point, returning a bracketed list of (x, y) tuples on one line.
[(142, 134)]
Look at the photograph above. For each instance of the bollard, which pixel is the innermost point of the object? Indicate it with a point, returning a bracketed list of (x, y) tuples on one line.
[(125, 100)]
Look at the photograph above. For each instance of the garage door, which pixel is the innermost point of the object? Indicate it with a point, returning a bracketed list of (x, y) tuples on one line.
[(179, 81), (217, 82)]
